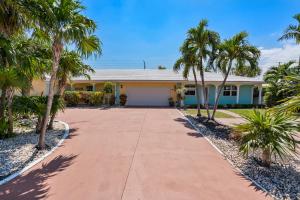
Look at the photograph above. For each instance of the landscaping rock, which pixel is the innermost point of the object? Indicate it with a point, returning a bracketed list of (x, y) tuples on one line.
[(17, 152), (282, 179)]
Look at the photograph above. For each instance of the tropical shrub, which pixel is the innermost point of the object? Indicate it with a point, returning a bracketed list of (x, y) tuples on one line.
[(95, 98), (123, 99), (72, 98), (85, 97), (112, 100), (272, 133), (108, 87), (4, 133), (171, 102)]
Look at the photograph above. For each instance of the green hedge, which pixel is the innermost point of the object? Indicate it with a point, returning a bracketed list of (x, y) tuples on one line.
[(74, 98)]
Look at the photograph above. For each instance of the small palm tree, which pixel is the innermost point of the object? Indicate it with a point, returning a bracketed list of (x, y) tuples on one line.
[(61, 22), (235, 49), (188, 62), (273, 133)]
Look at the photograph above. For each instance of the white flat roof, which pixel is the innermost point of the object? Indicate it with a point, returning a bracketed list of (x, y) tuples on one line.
[(158, 75)]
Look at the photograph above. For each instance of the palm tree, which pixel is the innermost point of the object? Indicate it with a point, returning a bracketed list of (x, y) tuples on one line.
[(292, 31), (202, 42), (188, 62), (235, 49), (61, 22), (70, 66), (279, 87), (274, 134), (12, 21), (241, 69)]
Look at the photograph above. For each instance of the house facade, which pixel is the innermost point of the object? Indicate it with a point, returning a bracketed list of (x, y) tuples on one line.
[(155, 87)]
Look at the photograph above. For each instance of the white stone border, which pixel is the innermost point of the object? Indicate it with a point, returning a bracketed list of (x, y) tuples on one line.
[(33, 163), (218, 150)]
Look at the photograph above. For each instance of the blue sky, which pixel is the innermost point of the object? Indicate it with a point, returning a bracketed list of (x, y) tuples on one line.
[(153, 30)]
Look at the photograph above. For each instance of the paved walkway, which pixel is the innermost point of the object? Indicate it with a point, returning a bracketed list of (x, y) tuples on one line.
[(231, 121), (131, 154)]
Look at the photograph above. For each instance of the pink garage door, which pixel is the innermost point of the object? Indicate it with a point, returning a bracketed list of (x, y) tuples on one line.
[(147, 96)]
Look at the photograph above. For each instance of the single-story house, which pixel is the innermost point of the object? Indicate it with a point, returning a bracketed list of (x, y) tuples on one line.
[(153, 87)]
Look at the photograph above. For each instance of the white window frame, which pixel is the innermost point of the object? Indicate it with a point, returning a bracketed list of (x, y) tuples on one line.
[(231, 90)]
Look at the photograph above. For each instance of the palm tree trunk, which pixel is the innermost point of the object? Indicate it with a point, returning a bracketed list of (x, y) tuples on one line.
[(220, 90), (9, 110), (2, 103), (204, 93), (197, 93), (56, 49), (61, 89), (266, 157)]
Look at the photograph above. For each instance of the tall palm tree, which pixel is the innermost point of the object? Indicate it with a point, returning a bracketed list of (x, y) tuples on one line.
[(62, 23), (12, 21), (235, 49), (200, 41), (292, 31), (188, 62), (70, 66)]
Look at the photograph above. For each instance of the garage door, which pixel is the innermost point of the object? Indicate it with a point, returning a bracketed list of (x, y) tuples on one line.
[(147, 96)]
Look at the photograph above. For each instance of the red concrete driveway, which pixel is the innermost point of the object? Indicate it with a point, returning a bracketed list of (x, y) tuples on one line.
[(131, 154)]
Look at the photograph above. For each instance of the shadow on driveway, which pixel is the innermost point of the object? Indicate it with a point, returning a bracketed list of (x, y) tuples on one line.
[(32, 186)]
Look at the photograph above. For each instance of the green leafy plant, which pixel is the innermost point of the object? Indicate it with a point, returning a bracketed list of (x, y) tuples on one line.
[(272, 133), (112, 100), (108, 87), (171, 102), (4, 133), (72, 98), (96, 98), (123, 99)]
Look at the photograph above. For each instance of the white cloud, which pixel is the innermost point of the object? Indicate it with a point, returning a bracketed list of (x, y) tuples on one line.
[(271, 57)]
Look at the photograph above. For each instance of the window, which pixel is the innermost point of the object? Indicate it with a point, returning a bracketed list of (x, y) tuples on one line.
[(190, 90), (230, 90), (89, 88)]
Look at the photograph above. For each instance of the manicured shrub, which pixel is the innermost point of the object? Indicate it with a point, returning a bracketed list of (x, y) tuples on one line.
[(72, 98), (123, 99), (85, 97), (95, 98)]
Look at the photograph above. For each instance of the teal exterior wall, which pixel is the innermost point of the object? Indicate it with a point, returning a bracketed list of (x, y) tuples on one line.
[(211, 94), (192, 100), (244, 97), (245, 94)]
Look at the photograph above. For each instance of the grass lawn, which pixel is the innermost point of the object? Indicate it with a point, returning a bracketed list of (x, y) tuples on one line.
[(204, 113), (244, 112)]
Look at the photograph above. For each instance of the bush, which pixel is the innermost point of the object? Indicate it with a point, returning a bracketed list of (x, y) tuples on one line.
[(112, 100), (108, 87), (123, 99), (171, 102), (85, 97), (72, 98), (95, 98), (4, 133)]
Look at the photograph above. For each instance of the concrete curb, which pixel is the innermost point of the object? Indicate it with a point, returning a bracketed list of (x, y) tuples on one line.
[(229, 161), (33, 163)]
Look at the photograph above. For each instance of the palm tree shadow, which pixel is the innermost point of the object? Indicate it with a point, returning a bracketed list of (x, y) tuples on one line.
[(33, 185)]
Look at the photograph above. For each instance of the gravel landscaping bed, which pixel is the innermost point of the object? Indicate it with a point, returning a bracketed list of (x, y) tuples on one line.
[(282, 179), (17, 152)]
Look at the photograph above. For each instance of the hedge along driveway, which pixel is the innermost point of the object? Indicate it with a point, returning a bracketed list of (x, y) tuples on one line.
[(131, 153)]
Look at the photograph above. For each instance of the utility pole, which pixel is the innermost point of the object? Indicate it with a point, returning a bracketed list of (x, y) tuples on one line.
[(144, 64)]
